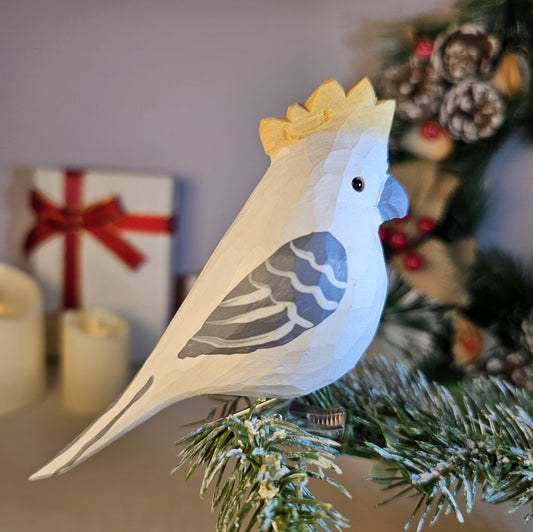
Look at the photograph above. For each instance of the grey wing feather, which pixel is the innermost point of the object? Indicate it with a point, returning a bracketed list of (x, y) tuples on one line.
[(294, 290)]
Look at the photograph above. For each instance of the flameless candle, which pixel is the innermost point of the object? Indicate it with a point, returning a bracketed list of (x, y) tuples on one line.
[(22, 360), (95, 359)]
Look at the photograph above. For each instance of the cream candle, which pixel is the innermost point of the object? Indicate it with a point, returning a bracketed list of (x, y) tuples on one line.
[(95, 349), (22, 357)]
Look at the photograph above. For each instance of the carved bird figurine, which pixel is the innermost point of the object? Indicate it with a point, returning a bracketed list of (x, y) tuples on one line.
[(292, 295)]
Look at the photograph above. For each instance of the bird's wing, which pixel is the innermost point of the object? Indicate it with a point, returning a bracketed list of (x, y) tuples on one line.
[(293, 290)]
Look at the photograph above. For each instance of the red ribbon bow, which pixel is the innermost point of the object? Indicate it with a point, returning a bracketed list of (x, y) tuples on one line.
[(104, 220)]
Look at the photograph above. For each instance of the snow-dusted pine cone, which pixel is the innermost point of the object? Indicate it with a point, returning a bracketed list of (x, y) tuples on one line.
[(464, 53), (514, 367), (472, 111), (416, 89)]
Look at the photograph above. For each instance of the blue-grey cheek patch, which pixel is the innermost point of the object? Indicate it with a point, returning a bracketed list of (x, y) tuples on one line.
[(294, 290)]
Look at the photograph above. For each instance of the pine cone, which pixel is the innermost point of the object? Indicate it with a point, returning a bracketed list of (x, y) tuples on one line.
[(464, 53), (472, 111), (416, 89), (514, 367)]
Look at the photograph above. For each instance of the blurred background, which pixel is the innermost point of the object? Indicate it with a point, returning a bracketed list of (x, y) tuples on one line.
[(178, 87)]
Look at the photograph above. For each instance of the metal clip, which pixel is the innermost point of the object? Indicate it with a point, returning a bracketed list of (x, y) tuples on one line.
[(320, 421)]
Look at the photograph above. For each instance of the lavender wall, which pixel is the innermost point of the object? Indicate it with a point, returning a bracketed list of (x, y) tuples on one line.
[(180, 87)]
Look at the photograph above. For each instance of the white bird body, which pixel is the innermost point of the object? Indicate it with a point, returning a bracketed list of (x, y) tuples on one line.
[(303, 208)]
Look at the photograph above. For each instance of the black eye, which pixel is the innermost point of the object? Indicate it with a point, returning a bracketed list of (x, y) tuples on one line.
[(358, 184)]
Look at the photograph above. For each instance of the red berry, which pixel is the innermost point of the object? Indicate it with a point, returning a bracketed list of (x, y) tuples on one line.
[(413, 262), (383, 233), (430, 130), (423, 48), (426, 225), (397, 240)]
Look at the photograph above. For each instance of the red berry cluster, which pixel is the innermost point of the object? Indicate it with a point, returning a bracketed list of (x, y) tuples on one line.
[(423, 48), (398, 241), (431, 130)]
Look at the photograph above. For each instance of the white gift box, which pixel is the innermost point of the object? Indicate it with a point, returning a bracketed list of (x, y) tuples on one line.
[(106, 240)]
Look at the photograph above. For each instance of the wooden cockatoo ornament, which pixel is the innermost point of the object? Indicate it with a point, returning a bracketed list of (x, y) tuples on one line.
[(292, 295)]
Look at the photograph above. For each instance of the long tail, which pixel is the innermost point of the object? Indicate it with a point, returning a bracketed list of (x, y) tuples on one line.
[(134, 406)]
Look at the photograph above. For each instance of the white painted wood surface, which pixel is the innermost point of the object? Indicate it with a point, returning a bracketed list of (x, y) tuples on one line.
[(307, 238)]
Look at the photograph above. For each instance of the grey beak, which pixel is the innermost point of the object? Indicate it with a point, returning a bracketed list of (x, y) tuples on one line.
[(393, 202)]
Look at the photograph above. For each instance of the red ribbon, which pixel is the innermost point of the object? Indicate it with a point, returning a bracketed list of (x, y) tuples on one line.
[(104, 220)]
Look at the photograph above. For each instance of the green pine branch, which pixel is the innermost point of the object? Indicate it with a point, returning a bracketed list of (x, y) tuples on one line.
[(438, 444), (439, 441), (260, 468), (411, 324)]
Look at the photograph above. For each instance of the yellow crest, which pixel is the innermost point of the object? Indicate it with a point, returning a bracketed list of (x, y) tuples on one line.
[(329, 108)]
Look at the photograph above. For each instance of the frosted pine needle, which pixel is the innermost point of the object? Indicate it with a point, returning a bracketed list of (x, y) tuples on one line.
[(260, 468)]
